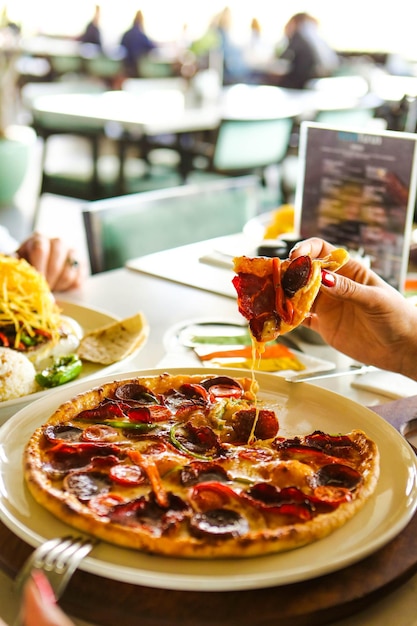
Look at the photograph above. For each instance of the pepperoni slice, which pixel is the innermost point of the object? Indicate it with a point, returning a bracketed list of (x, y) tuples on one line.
[(149, 414), (338, 475), (85, 485), (297, 275), (104, 503), (199, 472), (219, 523), (100, 432), (135, 393), (62, 432), (266, 427), (127, 474), (223, 387)]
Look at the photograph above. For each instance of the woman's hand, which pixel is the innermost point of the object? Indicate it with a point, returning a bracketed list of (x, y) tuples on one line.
[(362, 316), (55, 260)]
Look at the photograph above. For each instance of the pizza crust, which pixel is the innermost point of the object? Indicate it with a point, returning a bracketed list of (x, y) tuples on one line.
[(264, 535)]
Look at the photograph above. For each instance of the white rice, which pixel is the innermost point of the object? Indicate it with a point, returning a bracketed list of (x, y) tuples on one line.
[(17, 375)]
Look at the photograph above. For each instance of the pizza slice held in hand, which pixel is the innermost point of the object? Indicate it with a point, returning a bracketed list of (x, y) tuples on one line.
[(275, 295)]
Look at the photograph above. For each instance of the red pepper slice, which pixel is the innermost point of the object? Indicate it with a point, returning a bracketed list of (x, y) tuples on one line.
[(78, 447), (307, 455), (194, 390), (283, 305), (43, 333), (5, 341), (149, 414), (212, 495), (105, 410)]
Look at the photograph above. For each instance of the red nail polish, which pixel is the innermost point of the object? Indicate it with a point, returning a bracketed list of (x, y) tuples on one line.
[(328, 279), (43, 586)]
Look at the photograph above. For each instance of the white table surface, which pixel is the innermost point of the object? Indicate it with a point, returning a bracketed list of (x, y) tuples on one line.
[(166, 303), (160, 111)]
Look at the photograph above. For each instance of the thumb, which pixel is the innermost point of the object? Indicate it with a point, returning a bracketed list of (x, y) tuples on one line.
[(343, 288)]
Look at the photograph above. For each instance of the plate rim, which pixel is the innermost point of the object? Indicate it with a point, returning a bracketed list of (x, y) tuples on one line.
[(203, 582)]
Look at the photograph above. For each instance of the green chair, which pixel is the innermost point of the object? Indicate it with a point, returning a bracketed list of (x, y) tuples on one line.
[(109, 69), (122, 228), (352, 88), (242, 147), (65, 64), (347, 118), (153, 67)]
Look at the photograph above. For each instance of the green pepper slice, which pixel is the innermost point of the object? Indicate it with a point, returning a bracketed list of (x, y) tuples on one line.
[(63, 370), (140, 427), (181, 447)]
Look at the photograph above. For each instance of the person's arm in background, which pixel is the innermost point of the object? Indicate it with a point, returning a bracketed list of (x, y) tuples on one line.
[(362, 316), (39, 606)]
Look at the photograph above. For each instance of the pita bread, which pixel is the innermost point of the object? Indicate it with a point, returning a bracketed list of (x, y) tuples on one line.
[(115, 341)]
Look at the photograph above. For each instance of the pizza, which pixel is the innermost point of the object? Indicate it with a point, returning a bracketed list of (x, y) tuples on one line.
[(195, 466), (275, 295)]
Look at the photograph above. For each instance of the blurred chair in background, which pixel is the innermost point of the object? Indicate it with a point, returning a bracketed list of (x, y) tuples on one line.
[(242, 146), (350, 118), (118, 229)]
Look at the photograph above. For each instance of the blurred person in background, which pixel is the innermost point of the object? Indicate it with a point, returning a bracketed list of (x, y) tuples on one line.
[(92, 34), (218, 42), (136, 44), (259, 54), (235, 69), (307, 53), (39, 605)]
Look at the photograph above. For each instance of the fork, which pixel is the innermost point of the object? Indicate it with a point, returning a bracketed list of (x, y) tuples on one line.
[(58, 559)]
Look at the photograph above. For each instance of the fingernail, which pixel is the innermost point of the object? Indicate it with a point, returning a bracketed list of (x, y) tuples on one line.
[(295, 246), (327, 278), (43, 586)]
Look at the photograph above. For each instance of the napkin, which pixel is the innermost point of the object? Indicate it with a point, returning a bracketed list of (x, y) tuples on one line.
[(386, 384)]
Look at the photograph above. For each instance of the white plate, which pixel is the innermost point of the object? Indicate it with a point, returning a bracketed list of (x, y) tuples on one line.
[(181, 347), (302, 408), (89, 319)]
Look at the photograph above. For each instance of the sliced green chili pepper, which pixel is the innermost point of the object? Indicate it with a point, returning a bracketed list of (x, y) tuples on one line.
[(140, 426), (63, 370), (27, 340), (181, 447)]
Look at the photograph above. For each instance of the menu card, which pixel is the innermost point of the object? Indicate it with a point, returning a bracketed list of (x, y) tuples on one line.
[(358, 190)]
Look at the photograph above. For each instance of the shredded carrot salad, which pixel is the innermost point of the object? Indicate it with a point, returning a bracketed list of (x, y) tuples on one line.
[(26, 301)]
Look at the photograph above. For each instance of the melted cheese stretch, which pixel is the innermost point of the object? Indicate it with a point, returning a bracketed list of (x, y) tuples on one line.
[(26, 302)]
